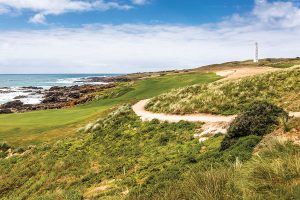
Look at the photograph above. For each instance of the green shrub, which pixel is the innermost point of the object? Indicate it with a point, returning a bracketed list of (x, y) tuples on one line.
[(163, 140), (258, 119), (242, 149), (19, 150), (73, 195), (4, 147), (3, 154), (281, 65)]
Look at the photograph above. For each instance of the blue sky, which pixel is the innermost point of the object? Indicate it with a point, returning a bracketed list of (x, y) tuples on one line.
[(102, 36), (191, 12)]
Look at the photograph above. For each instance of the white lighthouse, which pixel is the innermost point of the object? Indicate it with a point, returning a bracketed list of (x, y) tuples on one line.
[(256, 53)]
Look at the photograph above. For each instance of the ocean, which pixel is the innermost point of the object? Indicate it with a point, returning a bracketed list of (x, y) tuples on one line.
[(11, 85)]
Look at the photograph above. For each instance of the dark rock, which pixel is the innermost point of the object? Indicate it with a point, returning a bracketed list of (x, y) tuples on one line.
[(32, 88), (54, 93), (74, 95), (50, 99), (57, 88), (6, 91), (13, 104), (20, 97), (5, 111)]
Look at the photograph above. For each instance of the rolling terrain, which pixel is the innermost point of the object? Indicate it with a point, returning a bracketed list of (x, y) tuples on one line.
[(103, 150), (230, 97)]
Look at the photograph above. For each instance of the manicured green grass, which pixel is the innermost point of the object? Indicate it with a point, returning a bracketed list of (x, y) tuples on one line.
[(33, 127)]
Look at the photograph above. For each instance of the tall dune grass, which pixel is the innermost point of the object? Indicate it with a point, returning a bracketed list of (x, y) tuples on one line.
[(272, 174), (230, 97)]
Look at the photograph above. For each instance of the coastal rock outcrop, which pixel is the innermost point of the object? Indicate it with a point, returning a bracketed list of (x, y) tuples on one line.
[(55, 97)]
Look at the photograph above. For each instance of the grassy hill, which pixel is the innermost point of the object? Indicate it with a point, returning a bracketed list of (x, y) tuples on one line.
[(121, 157), (102, 150), (230, 97), (267, 62)]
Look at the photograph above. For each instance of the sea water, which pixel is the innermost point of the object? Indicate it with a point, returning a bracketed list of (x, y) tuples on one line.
[(11, 85)]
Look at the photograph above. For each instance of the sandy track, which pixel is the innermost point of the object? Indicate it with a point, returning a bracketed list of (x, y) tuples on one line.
[(139, 109), (295, 114)]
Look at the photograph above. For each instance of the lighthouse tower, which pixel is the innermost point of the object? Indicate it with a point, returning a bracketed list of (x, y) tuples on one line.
[(256, 53)]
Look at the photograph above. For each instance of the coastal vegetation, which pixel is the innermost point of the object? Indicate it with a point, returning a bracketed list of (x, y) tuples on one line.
[(281, 88), (121, 157), (273, 173), (35, 127), (103, 150), (258, 119)]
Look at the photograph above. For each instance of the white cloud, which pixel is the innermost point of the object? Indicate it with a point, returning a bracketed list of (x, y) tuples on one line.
[(42, 8), (283, 14), (38, 19), (140, 2), (130, 47), (278, 14)]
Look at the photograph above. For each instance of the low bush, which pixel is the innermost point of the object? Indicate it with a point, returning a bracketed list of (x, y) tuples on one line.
[(281, 65), (258, 119), (4, 146)]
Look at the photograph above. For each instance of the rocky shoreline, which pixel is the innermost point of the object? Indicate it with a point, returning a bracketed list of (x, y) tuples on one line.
[(62, 97), (53, 98)]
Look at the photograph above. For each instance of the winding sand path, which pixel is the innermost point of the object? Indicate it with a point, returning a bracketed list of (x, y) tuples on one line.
[(295, 114), (139, 109)]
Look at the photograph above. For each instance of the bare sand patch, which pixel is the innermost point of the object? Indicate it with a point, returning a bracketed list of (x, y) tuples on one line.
[(244, 72)]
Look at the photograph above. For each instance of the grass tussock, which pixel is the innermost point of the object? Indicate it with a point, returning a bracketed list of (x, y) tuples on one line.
[(231, 97), (274, 173)]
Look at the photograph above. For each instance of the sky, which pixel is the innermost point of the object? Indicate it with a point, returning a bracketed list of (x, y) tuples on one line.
[(124, 36)]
